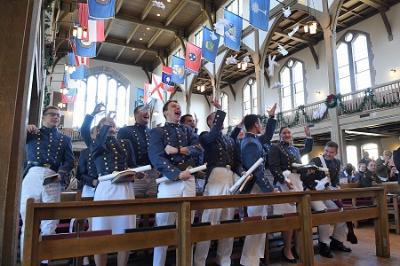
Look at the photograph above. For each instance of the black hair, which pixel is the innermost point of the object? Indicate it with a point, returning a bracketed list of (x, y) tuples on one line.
[(183, 118), (165, 107), (50, 107), (250, 120), (332, 144)]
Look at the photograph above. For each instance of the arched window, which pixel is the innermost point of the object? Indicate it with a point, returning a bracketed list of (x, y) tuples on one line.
[(292, 79), (354, 65), (223, 99), (236, 7), (352, 155), (101, 88), (250, 97)]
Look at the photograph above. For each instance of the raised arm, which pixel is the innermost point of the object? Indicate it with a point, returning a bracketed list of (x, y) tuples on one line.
[(210, 137)]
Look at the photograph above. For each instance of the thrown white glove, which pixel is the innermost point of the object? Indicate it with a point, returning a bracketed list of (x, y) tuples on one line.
[(322, 184)]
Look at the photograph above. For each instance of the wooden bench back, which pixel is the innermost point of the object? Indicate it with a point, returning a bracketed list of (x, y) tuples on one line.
[(184, 234)]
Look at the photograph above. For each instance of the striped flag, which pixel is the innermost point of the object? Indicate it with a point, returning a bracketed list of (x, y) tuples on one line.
[(83, 15), (96, 30), (82, 60)]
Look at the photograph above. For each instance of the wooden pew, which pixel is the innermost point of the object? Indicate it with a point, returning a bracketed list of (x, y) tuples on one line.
[(183, 235)]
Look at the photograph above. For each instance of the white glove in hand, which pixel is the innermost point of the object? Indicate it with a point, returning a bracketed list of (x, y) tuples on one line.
[(286, 173), (321, 184)]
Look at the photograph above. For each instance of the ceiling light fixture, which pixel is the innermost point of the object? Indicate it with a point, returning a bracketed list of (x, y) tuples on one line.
[(140, 39), (158, 14)]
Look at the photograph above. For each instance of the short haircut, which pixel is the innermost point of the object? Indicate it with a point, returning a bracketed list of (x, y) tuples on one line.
[(388, 153), (165, 107), (50, 107), (250, 120), (183, 118), (332, 144)]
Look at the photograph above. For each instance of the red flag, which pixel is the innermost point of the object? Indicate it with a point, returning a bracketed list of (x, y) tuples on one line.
[(83, 15), (193, 58), (81, 60), (156, 85)]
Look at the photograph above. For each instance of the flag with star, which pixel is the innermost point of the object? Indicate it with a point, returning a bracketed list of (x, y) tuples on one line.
[(178, 70), (259, 14), (232, 30), (210, 44), (192, 58)]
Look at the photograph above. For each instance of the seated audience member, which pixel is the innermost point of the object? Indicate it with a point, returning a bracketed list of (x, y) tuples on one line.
[(365, 158), (396, 162), (362, 168), (347, 174), (382, 166), (370, 178)]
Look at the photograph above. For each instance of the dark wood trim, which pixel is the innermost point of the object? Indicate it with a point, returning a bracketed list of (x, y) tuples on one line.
[(232, 91), (147, 74), (388, 27), (314, 55)]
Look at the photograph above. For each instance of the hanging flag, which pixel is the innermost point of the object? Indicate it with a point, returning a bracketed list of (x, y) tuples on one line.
[(96, 30), (156, 86), (83, 15), (192, 58), (86, 49), (146, 91), (259, 14), (69, 96), (233, 30), (166, 76), (101, 9), (210, 44), (71, 59), (82, 60), (178, 70), (79, 73)]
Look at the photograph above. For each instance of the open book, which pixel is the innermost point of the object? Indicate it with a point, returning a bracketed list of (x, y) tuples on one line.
[(128, 175), (53, 178)]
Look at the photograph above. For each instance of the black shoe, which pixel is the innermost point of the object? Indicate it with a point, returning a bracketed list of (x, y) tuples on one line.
[(351, 237), (287, 259), (337, 245), (44, 264), (324, 250)]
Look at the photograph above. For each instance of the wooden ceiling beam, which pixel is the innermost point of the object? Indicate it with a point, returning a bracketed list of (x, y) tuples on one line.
[(131, 45), (146, 10), (147, 22), (135, 28), (154, 38), (120, 53), (175, 12), (294, 37), (376, 4), (140, 57)]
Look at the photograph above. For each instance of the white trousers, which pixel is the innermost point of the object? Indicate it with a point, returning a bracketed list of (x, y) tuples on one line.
[(108, 191), (284, 208), (324, 230), (219, 182), (32, 187), (254, 245), (171, 189)]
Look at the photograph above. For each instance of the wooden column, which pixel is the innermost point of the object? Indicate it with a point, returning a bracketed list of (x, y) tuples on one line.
[(19, 27), (382, 227), (337, 134), (184, 253), (305, 235)]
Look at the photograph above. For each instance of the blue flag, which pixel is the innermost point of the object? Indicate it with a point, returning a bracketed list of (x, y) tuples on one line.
[(85, 49), (101, 9), (79, 73), (259, 14), (178, 70), (71, 61), (232, 30), (210, 44)]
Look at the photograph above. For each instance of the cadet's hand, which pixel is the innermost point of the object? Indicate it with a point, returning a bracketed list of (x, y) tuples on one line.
[(108, 122), (271, 112), (95, 182), (99, 108), (185, 175), (216, 104), (112, 114), (170, 150), (289, 184), (307, 132), (32, 129), (184, 150)]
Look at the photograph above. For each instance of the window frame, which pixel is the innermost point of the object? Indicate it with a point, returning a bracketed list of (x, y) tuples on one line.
[(292, 83), (352, 67), (252, 87), (226, 109)]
